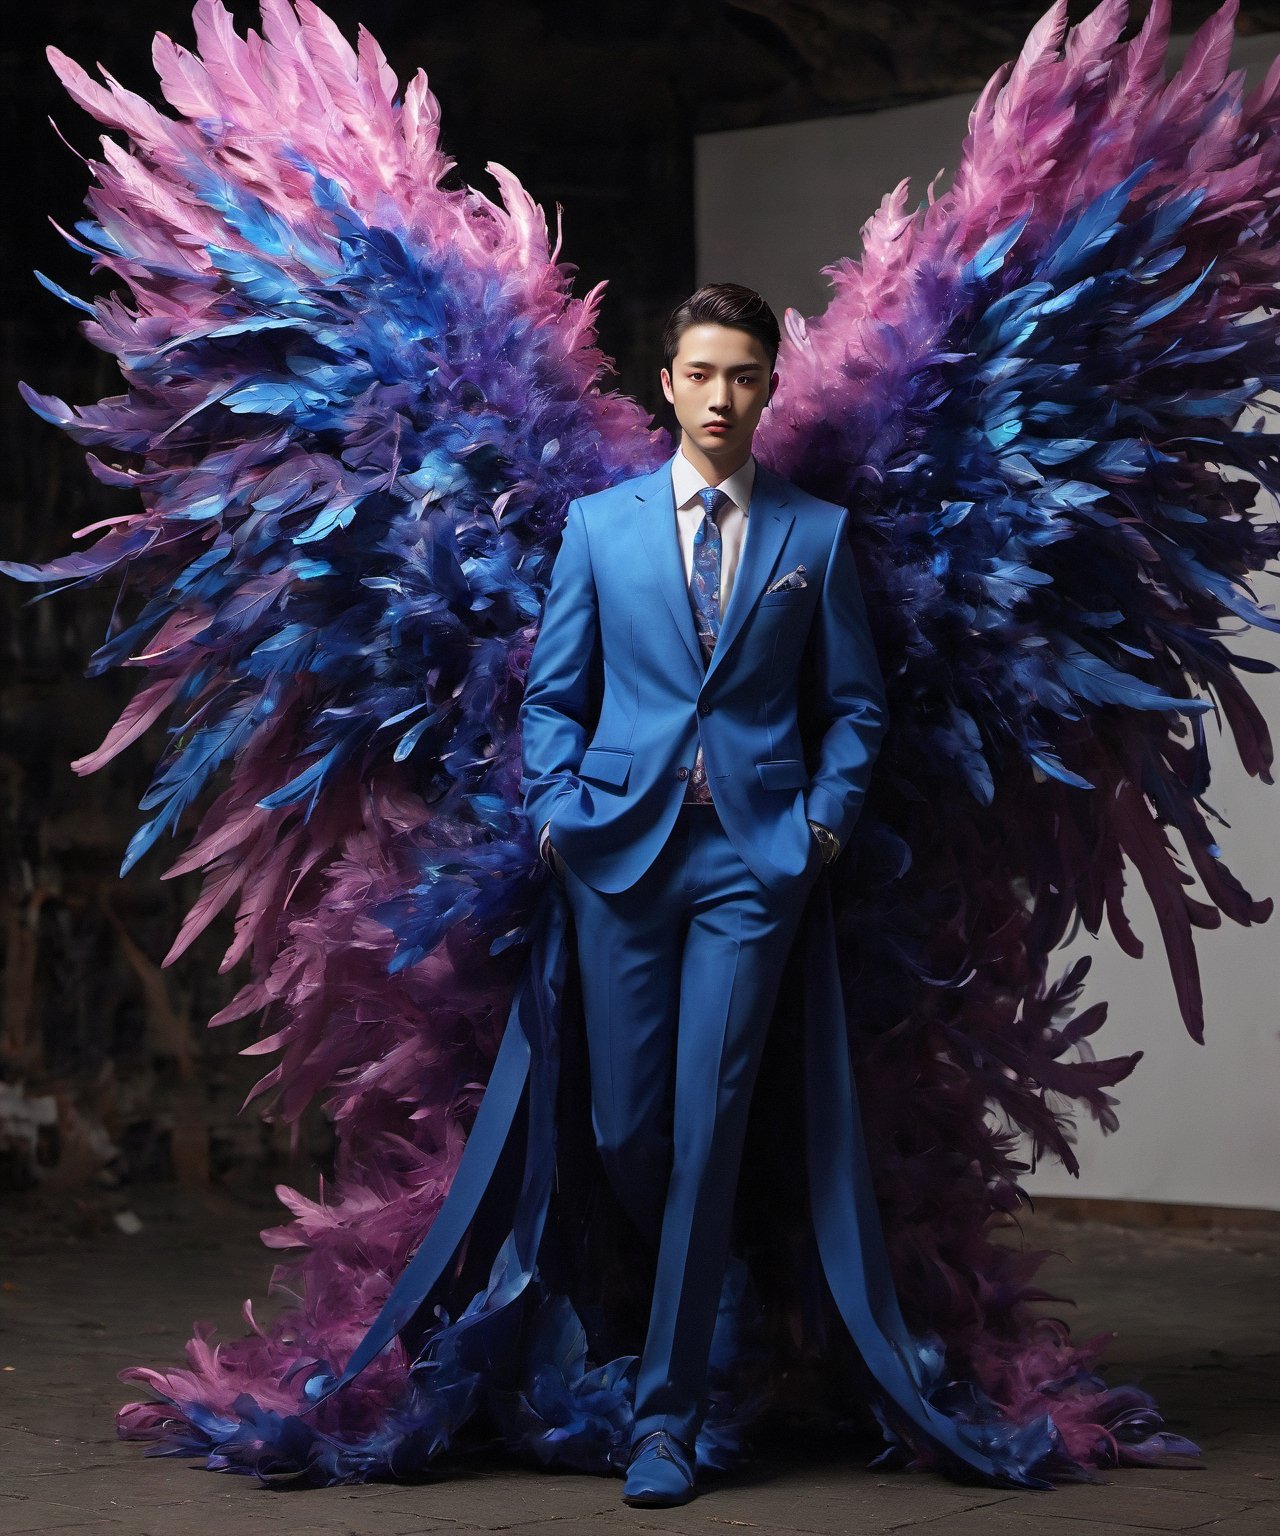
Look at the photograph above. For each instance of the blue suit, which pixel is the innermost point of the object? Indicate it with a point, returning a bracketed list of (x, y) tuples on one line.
[(685, 914)]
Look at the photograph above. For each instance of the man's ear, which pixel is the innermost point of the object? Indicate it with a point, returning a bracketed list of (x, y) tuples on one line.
[(666, 387)]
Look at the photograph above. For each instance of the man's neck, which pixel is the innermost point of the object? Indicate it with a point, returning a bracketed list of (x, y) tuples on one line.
[(713, 471)]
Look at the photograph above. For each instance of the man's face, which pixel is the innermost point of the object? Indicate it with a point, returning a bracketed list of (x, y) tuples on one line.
[(719, 383)]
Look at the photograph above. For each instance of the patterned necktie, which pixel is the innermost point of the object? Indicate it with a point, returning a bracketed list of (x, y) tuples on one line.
[(704, 594), (704, 582)]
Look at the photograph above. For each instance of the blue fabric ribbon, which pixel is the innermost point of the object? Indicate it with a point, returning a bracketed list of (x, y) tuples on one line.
[(851, 1240), (528, 1058)]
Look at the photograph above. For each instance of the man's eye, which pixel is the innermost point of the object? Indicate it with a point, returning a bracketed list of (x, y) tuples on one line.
[(695, 375)]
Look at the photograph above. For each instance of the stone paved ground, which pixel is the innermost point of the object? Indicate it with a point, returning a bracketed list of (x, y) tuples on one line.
[(1195, 1312)]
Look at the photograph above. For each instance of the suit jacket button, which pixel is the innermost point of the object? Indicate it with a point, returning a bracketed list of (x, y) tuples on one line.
[(682, 773), (704, 708)]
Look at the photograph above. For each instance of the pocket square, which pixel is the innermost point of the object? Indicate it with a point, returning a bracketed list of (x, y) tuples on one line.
[(791, 582)]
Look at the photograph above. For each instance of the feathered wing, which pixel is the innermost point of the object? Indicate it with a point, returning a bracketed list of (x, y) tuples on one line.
[(358, 398), (1041, 394)]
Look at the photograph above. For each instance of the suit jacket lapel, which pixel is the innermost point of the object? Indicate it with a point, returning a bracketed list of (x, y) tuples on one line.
[(768, 524), (656, 527)]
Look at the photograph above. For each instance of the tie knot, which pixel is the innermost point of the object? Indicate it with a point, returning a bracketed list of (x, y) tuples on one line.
[(712, 499)]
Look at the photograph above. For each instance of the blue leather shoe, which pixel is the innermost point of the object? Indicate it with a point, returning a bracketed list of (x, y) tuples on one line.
[(660, 1472)]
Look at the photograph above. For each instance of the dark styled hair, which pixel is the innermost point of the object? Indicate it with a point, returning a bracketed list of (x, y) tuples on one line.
[(722, 304)]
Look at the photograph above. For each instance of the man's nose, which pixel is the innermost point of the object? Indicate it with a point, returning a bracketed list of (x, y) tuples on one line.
[(720, 395)]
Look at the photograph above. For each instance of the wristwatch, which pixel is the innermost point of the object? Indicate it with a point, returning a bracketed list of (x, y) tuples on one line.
[(827, 841)]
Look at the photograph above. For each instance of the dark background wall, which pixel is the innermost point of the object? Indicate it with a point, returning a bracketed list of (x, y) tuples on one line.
[(106, 1069)]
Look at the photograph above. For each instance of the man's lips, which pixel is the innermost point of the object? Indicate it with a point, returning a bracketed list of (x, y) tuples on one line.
[(717, 426)]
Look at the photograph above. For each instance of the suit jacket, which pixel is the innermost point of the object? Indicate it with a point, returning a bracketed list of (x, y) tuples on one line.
[(618, 696)]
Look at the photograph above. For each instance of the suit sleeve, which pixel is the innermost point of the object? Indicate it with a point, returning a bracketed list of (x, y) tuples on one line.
[(562, 691), (848, 694)]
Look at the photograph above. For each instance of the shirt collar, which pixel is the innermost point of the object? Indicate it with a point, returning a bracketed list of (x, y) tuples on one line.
[(686, 482)]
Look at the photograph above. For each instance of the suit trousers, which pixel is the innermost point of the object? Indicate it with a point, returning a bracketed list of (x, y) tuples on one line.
[(680, 974)]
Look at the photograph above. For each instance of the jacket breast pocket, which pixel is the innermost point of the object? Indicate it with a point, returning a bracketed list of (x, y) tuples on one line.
[(787, 597), (605, 765), (783, 773)]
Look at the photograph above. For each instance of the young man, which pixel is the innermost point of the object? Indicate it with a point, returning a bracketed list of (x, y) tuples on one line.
[(673, 792)]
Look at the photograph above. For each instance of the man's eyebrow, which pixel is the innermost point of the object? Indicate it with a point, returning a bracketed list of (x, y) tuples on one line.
[(733, 367)]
